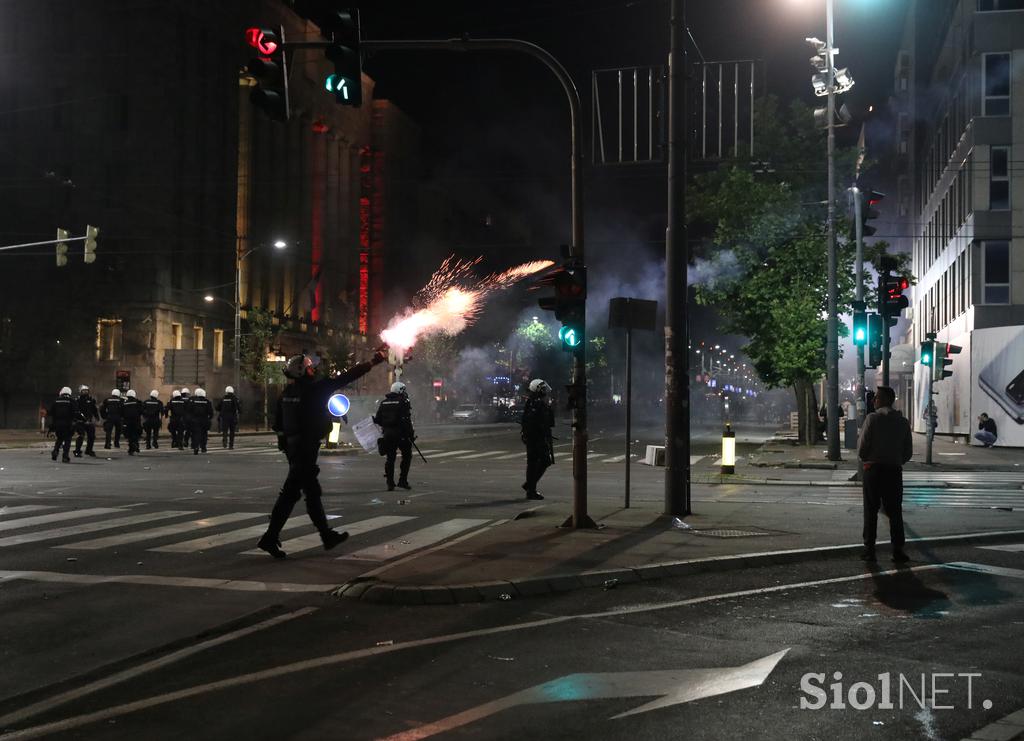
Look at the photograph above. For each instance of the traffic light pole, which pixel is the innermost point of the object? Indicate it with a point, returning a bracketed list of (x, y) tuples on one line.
[(832, 342), (929, 410), (580, 518), (858, 206)]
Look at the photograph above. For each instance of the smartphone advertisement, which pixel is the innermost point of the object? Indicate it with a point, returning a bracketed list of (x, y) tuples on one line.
[(997, 357)]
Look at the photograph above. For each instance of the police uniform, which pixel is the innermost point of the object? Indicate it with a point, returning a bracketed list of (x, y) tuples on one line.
[(152, 412), (176, 421), (131, 414), (394, 415), (200, 412), (85, 423), (228, 410), (110, 410), (61, 420), (538, 419)]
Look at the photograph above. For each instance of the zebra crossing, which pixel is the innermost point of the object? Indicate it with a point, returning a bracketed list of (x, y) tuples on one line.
[(562, 452), (182, 532), (913, 496)]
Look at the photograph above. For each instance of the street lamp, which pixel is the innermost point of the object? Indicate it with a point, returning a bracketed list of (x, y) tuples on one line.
[(239, 256)]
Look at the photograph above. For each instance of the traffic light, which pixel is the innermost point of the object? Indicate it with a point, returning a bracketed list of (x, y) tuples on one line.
[(891, 301), (91, 232), (860, 323), (270, 68), (568, 302), (927, 353), (939, 371), (62, 247), (869, 200), (341, 27), (874, 340)]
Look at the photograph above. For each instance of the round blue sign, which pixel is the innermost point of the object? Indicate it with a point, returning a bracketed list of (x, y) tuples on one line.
[(338, 405)]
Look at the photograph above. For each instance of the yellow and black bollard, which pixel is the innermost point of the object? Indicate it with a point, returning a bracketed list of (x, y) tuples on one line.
[(728, 450)]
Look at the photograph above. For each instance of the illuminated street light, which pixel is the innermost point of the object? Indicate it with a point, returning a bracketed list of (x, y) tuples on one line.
[(280, 244)]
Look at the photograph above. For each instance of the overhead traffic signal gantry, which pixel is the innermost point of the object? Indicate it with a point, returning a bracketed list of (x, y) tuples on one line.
[(340, 26), (91, 232), (62, 247)]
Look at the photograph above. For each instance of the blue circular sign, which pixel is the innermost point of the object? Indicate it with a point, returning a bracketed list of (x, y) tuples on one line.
[(338, 405)]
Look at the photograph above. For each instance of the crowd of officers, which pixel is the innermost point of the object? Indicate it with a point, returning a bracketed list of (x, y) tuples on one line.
[(189, 418)]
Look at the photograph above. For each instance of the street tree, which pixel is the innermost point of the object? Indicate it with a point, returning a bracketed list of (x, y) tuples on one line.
[(254, 347)]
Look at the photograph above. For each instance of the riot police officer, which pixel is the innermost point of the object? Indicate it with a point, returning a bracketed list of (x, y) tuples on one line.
[(131, 413), (176, 421), (152, 413), (394, 415), (85, 423), (228, 410), (301, 422), (186, 421), (538, 419), (60, 419), (200, 412), (110, 410)]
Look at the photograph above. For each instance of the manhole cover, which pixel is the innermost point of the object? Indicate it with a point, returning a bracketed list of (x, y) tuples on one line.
[(728, 533)]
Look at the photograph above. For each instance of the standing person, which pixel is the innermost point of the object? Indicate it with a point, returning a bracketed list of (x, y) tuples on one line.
[(186, 419), (110, 410), (85, 424), (987, 432), (885, 445), (131, 413), (394, 415), (228, 411), (538, 419), (152, 412), (200, 412), (60, 419), (300, 423), (176, 418)]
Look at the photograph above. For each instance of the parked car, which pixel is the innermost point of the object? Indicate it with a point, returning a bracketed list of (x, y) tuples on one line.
[(467, 413)]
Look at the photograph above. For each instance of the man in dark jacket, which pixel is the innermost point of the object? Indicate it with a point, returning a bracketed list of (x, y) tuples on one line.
[(538, 419), (85, 424), (186, 420), (200, 413), (987, 433), (394, 415), (885, 445), (176, 418), (228, 410), (110, 410), (300, 423), (152, 413), (131, 413), (60, 419)]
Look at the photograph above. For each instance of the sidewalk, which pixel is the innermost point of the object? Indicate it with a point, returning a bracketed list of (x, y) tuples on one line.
[(533, 555), (34, 439)]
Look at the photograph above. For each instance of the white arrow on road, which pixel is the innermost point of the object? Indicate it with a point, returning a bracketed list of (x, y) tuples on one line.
[(672, 687)]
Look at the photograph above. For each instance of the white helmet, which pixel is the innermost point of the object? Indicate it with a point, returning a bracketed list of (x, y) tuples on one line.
[(175, 394), (131, 393), (116, 392), (200, 393), (539, 386), (154, 394), (184, 392), (65, 391), (229, 390), (398, 387), (82, 388)]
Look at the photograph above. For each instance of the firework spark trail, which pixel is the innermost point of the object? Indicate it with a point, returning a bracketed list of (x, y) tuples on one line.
[(447, 305)]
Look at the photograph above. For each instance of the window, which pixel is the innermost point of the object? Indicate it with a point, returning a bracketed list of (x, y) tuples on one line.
[(997, 85), (175, 336), (198, 337), (996, 276), (999, 180), (108, 339), (218, 348), (987, 5)]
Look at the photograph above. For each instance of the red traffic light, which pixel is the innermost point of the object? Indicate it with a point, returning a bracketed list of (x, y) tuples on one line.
[(264, 40)]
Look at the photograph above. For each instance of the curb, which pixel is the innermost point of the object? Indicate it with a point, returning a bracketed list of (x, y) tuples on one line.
[(381, 592)]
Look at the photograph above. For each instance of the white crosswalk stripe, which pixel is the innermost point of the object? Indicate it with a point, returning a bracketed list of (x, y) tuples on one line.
[(160, 532), (234, 536), (89, 527), (415, 540), (1009, 548), (449, 454), (510, 456), (56, 517), (482, 455), (22, 508), (308, 542)]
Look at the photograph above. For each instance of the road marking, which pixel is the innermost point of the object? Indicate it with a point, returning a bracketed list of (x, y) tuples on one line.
[(123, 676), (415, 540), (510, 456), (57, 517), (483, 455), (320, 662), (165, 581), (159, 532), (450, 453), (1012, 548), (983, 568), (308, 542), (419, 554), (234, 536), (90, 527), (592, 456), (431, 450), (4, 511)]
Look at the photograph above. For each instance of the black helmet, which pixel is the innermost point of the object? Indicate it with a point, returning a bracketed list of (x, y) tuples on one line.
[(296, 365)]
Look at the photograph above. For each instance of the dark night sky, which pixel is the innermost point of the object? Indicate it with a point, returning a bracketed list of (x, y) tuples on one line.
[(496, 126)]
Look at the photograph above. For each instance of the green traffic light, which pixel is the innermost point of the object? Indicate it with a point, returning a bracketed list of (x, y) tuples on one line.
[(570, 336), (926, 359)]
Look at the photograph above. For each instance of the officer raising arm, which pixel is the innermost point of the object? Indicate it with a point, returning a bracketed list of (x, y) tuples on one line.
[(300, 424)]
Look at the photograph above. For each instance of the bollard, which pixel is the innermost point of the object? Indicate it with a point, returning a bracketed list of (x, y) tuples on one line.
[(728, 450)]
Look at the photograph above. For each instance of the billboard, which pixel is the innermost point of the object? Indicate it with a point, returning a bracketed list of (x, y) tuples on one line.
[(997, 375)]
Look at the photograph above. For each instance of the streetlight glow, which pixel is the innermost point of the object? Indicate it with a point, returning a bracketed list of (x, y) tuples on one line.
[(280, 244), (208, 298)]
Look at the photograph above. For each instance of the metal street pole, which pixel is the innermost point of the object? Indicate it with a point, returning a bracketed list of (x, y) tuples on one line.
[(858, 205), (832, 346), (677, 354), (238, 320)]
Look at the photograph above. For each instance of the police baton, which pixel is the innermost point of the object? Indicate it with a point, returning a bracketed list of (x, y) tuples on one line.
[(418, 450)]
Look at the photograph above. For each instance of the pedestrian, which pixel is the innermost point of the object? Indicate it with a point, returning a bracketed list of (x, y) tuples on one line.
[(60, 419), (885, 445), (176, 418), (85, 423), (229, 409), (394, 415), (152, 413), (538, 419), (110, 410), (300, 423), (200, 413), (987, 433), (131, 414), (186, 419)]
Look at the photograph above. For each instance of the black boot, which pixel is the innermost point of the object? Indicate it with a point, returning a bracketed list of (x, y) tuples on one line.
[(271, 546), (53, 456), (332, 538), (533, 495), (90, 453), (403, 484)]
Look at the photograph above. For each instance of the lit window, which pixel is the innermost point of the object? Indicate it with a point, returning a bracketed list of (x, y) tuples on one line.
[(218, 348), (108, 339), (175, 336), (198, 337)]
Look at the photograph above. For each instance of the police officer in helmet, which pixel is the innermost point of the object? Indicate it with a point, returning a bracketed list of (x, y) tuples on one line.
[(186, 420), (131, 413), (228, 410), (61, 420), (301, 422), (394, 415), (200, 412), (152, 413), (538, 419), (85, 424), (110, 410), (176, 418)]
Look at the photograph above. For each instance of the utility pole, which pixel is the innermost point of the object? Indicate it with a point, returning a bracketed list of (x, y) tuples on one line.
[(832, 345), (929, 407), (677, 352)]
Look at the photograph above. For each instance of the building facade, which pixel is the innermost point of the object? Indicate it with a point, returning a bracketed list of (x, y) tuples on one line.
[(959, 104)]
